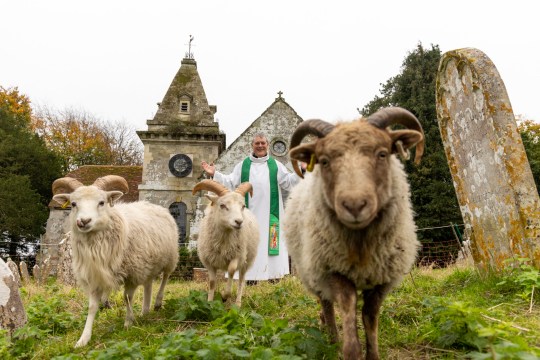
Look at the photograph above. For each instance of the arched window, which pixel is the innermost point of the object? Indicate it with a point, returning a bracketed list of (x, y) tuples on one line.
[(179, 212)]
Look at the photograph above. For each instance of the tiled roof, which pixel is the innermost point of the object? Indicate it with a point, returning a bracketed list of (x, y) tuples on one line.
[(89, 173)]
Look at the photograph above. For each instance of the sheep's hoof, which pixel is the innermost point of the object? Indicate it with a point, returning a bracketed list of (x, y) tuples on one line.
[(82, 342), (106, 305), (157, 307)]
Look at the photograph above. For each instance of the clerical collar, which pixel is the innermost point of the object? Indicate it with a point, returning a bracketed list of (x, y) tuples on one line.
[(259, 159)]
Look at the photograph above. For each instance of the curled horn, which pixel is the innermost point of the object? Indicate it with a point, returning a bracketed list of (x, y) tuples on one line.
[(396, 115), (211, 185), (243, 188), (65, 185), (319, 128), (112, 182)]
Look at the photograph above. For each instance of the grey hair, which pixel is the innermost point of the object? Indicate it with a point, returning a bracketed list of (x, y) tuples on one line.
[(259, 135)]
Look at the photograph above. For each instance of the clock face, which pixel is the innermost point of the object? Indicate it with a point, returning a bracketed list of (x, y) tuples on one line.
[(279, 148), (180, 165)]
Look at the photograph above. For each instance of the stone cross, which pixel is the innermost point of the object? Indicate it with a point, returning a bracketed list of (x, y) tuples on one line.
[(12, 314), (492, 177)]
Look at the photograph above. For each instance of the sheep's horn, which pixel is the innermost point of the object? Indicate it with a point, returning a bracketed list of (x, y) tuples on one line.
[(319, 128), (243, 188), (112, 182), (65, 185), (210, 185), (396, 115)]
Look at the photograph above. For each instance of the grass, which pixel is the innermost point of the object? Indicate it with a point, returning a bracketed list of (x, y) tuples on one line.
[(449, 313)]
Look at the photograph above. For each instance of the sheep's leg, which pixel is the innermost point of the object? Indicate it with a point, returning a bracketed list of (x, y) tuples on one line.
[(373, 299), (328, 318), (159, 296), (345, 296), (233, 265), (93, 306), (147, 296), (212, 282), (240, 290), (129, 290)]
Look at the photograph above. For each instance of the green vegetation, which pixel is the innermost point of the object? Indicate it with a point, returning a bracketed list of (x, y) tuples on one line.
[(434, 314)]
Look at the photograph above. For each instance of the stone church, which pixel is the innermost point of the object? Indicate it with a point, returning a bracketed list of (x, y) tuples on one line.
[(181, 135)]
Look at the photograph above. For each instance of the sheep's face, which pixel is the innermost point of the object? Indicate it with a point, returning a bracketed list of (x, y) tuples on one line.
[(354, 163), (89, 207), (229, 209)]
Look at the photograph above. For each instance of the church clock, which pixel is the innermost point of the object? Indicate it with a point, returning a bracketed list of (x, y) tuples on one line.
[(180, 165)]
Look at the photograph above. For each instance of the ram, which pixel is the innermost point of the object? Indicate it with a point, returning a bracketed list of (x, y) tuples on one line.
[(350, 224), (115, 244), (229, 236)]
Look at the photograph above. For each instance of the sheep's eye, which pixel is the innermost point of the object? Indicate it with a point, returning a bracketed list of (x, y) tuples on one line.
[(223, 206), (243, 207), (382, 155), (101, 203), (324, 162), (73, 204)]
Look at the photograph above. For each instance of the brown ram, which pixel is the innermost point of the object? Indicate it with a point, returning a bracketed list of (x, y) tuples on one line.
[(350, 224)]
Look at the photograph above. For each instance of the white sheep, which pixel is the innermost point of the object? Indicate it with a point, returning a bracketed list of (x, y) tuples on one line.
[(229, 235), (115, 244), (350, 224)]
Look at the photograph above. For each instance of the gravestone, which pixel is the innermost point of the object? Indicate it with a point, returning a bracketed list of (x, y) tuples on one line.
[(12, 314), (24, 272), (14, 270), (65, 270), (492, 177)]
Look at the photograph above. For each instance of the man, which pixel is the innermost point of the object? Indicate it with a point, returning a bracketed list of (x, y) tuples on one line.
[(268, 178)]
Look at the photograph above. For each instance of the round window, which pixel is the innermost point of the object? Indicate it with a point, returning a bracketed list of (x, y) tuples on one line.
[(278, 147)]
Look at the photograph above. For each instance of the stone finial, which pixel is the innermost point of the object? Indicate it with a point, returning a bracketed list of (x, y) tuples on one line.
[(12, 314), (492, 177)]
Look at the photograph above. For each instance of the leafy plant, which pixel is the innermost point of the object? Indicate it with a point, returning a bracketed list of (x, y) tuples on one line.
[(523, 275)]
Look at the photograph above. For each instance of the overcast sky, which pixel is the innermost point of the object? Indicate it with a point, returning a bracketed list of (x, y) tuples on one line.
[(117, 58)]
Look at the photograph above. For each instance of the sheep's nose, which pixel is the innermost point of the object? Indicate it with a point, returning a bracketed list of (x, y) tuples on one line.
[(83, 222), (354, 206), (239, 222)]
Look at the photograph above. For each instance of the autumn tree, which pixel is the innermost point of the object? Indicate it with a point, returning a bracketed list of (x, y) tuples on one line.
[(82, 139), (27, 170), (433, 195)]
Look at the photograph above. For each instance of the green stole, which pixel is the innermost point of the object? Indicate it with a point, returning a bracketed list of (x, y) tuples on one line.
[(273, 237)]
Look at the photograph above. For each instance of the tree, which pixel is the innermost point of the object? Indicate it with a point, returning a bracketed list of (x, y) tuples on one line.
[(82, 139), (433, 195), (27, 170), (530, 134)]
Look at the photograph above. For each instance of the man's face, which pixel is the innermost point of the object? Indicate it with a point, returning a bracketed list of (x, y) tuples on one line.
[(260, 146)]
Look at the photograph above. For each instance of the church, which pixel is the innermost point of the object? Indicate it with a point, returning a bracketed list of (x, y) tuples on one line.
[(182, 134)]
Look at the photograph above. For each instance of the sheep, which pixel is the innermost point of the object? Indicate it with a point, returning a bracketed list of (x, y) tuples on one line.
[(229, 236), (114, 244), (350, 224)]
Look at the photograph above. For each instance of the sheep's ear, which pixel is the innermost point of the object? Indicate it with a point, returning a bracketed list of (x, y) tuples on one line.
[(213, 198), (112, 196), (63, 199), (303, 152)]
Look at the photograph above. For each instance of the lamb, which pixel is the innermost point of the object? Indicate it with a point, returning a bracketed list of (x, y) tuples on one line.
[(349, 224), (114, 244), (229, 236)]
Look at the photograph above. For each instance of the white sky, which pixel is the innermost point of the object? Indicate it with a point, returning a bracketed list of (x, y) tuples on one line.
[(117, 58)]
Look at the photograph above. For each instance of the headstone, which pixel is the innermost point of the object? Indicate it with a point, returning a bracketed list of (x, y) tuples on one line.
[(12, 314), (36, 271), (24, 272), (15, 271), (65, 270), (492, 177)]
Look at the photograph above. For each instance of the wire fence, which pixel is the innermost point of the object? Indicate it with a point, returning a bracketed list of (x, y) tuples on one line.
[(439, 253)]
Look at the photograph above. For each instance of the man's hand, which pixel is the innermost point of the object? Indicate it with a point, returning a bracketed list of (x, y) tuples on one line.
[(210, 169)]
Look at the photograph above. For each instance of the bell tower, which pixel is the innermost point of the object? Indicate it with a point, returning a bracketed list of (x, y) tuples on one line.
[(181, 135)]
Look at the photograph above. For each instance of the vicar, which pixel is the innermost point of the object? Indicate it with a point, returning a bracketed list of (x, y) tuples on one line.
[(268, 178)]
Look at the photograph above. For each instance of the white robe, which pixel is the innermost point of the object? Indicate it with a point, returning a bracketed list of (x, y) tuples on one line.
[(265, 266)]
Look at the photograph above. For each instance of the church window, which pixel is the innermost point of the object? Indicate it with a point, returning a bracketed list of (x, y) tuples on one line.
[(184, 107), (179, 212)]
